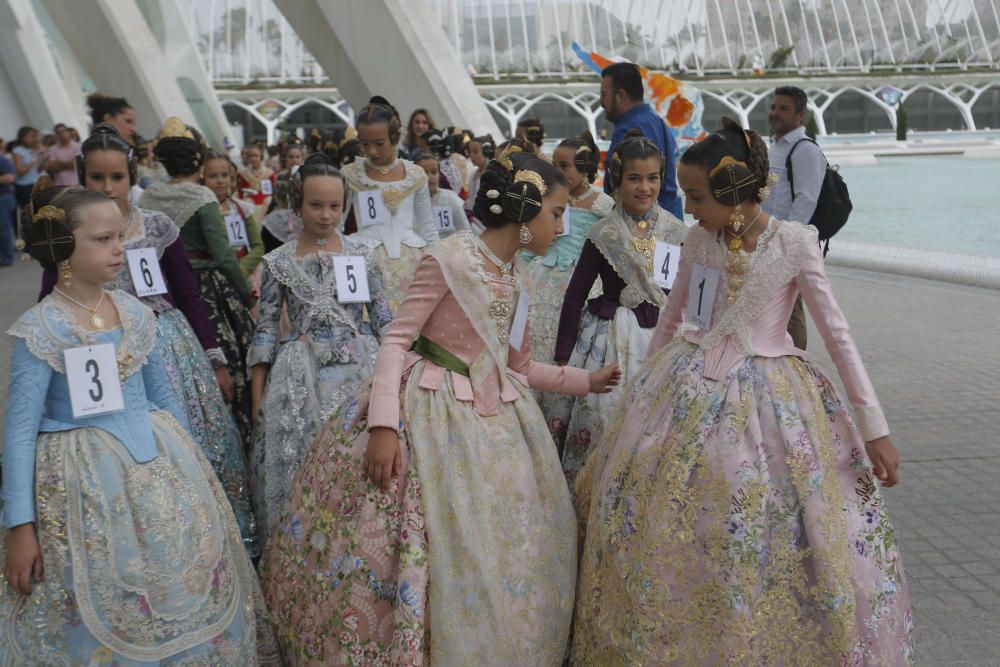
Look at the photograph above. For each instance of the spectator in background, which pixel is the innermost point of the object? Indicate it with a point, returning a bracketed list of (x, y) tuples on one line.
[(62, 157), (29, 157), (787, 120), (115, 111), (8, 207), (622, 100)]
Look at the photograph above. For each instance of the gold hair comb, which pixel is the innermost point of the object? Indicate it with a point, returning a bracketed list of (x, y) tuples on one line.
[(175, 127), (725, 162), (504, 156), (533, 177), (49, 213)]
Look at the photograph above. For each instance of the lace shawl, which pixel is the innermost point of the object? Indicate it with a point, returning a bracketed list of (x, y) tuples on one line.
[(613, 239), (781, 251), (49, 328), (284, 224), (179, 201), (156, 231), (396, 191), (462, 266), (321, 297)]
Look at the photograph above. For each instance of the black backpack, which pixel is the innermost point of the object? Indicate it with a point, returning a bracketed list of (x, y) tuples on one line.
[(833, 206)]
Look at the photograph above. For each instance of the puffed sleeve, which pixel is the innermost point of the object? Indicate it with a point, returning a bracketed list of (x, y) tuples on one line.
[(546, 377), (424, 294), (379, 311), (29, 382), (832, 325), (158, 390), (184, 290), (264, 344), (424, 221)]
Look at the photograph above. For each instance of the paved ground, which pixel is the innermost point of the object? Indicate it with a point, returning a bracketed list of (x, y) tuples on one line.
[(933, 351)]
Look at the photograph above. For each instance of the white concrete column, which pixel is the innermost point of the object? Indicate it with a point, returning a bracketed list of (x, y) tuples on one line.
[(113, 41), (32, 92), (393, 48)]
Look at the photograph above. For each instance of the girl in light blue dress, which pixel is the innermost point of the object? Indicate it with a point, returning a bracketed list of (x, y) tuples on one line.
[(118, 544)]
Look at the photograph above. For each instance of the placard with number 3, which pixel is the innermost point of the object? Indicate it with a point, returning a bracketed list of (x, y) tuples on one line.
[(144, 265), (92, 375), (351, 275)]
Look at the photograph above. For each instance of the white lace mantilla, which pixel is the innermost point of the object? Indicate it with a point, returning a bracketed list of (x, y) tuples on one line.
[(286, 267), (179, 201), (49, 328), (772, 266)]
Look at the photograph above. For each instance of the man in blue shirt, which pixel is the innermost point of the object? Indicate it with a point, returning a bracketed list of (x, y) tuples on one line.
[(8, 207), (622, 100)]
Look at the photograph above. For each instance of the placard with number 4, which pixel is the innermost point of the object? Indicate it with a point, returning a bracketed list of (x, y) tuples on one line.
[(92, 375), (666, 260), (351, 275), (370, 208), (144, 265)]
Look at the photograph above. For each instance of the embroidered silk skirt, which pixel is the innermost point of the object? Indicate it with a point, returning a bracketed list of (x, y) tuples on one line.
[(736, 522), (144, 564), (397, 273), (474, 544)]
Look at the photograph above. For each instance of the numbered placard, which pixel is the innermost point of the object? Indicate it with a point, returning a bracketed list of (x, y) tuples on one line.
[(351, 275), (236, 230), (565, 222), (444, 218), (144, 266), (370, 208), (701, 296), (520, 322), (92, 374), (266, 187), (666, 260)]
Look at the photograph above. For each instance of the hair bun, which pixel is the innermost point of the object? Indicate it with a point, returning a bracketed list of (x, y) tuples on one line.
[(493, 184), (317, 158), (42, 184), (634, 132)]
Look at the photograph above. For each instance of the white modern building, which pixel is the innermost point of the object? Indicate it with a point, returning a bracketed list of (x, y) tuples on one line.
[(276, 66)]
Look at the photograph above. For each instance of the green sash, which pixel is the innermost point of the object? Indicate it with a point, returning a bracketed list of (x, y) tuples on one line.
[(436, 354)]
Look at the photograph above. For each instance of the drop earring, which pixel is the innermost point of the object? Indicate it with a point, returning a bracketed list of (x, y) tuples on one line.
[(524, 235), (67, 275)]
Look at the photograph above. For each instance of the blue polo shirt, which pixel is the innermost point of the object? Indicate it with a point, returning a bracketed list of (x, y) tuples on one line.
[(653, 127)]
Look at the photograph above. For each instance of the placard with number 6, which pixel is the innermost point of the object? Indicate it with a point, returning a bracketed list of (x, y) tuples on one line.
[(370, 209), (92, 375), (701, 296), (144, 265), (666, 260), (351, 275)]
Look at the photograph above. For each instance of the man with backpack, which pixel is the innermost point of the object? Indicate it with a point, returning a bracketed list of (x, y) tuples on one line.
[(802, 170)]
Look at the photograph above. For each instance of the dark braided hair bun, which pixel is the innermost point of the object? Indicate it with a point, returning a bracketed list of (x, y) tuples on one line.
[(506, 197), (54, 214), (587, 156), (739, 159), (180, 155), (317, 164)]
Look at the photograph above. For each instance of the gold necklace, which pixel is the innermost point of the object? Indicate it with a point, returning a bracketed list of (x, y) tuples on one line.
[(96, 321), (576, 200), (382, 170), (644, 245), (736, 242), (737, 264), (501, 307)]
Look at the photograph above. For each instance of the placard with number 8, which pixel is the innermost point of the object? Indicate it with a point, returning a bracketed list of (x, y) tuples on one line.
[(370, 209)]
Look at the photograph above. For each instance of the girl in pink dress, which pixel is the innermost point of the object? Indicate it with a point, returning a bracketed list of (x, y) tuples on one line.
[(732, 515), (433, 503)]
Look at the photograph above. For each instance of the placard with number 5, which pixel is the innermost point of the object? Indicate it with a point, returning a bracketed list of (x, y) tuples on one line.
[(701, 296), (351, 275), (92, 375), (144, 266), (666, 260), (370, 209)]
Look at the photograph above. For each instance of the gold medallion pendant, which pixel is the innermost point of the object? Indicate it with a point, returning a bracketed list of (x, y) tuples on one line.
[(96, 321)]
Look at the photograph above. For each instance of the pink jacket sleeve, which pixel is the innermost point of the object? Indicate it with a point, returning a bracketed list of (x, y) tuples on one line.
[(829, 319), (424, 294), (547, 377), (673, 312)]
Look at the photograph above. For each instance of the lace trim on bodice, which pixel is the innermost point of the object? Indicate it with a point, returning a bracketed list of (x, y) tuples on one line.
[(179, 201), (462, 266), (773, 264), (49, 328), (393, 192), (320, 296), (613, 239)]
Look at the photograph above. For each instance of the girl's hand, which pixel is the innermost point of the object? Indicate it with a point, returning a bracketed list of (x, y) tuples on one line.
[(24, 558), (885, 460), (382, 458), (225, 381), (604, 380)]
